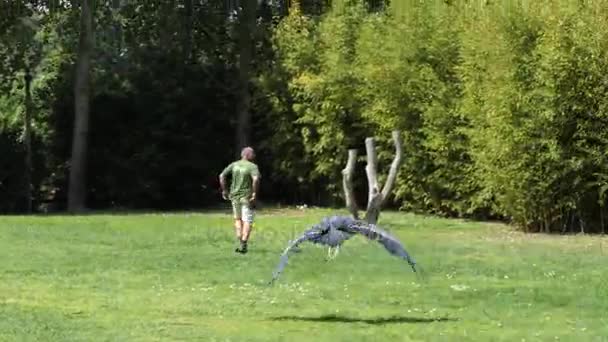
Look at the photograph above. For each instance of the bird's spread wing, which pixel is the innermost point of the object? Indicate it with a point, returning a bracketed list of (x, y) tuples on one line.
[(390, 243), (312, 234)]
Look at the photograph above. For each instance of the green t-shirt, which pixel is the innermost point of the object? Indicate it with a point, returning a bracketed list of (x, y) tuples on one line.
[(241, 185)]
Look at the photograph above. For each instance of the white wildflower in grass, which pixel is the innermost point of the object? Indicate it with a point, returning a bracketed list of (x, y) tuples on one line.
[(458, 287)]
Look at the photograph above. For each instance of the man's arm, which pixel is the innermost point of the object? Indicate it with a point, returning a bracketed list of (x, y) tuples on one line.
[(256, 185), (222, 177), (255, 175), (223, 185)]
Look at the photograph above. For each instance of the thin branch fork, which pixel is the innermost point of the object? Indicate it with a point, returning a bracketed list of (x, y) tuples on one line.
[(392, 173)]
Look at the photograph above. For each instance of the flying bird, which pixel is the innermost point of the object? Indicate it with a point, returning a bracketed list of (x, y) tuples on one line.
[(333, 231)]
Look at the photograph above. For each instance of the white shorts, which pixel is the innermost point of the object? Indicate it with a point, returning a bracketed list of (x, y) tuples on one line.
[(242, 211)]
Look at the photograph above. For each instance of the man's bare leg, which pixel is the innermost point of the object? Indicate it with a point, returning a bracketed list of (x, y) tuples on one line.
[(246, 231), (238, 228), (245, 236), (247, 219)]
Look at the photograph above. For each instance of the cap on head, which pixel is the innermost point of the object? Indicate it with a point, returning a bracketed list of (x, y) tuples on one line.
[(248, 153)]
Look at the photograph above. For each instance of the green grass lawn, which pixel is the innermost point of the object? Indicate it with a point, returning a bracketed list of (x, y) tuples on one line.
[(175, 277)]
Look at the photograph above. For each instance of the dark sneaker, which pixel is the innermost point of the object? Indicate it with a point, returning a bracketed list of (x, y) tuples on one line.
[(242, 249)]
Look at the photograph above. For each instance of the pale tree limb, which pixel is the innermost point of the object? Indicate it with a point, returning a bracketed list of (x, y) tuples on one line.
[(347, 182), (377, 198), (392, 174)]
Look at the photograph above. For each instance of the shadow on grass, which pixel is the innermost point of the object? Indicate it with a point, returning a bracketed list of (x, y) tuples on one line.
[(373, 321)]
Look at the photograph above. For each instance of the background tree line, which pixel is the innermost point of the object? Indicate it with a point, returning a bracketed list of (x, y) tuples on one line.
[(502, 104)]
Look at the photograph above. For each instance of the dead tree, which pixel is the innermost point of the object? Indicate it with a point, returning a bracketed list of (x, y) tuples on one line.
[(377, 196)]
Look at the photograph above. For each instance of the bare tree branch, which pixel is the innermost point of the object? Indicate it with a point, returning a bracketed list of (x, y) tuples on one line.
[(374, 195), (392, 174), (347, 182), (370, 168)]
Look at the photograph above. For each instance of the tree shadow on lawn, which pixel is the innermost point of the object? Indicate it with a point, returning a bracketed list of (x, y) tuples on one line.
[(372, 321)]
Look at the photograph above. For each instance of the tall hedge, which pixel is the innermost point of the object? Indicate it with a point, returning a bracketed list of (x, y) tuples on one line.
[(501, 104)]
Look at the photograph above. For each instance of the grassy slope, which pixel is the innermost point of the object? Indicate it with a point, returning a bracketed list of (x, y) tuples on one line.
[(175, 277)]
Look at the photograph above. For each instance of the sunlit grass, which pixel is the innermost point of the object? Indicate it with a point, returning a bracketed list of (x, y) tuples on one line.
[(162, 277)]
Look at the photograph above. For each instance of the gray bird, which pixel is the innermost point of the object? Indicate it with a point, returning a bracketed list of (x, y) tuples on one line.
[(334, 231)]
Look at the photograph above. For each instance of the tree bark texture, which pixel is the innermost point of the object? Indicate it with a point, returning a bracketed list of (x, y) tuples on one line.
[(347, 182), (27, 132), (77, 183), (187, 44), (245, 32)]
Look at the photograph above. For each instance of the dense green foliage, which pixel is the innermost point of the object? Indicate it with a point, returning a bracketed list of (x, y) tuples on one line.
[(501, 104), (174, 277)]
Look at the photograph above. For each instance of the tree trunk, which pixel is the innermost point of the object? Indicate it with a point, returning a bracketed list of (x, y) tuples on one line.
[(27, 132), (187, 44), (117, 27), (374, 195), (602, 219), (246, 28), (53, 6), (82, 90), (167, 9)]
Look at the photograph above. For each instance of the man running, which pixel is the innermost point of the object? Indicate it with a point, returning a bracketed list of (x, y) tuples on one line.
[(243, 192)]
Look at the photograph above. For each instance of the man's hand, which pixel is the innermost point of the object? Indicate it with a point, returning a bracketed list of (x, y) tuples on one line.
[(252, 198), (225, 195)]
